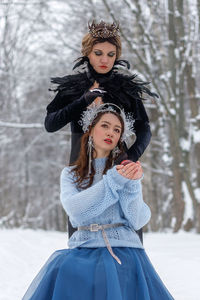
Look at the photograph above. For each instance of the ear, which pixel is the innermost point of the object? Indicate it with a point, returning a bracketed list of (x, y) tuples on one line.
[(91, 133)]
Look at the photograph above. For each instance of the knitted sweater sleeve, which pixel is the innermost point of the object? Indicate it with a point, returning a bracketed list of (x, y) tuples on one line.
[(135, 210), (93, 201)]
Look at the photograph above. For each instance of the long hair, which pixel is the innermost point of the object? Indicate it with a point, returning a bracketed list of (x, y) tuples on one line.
[(81, 165), (89, 41)]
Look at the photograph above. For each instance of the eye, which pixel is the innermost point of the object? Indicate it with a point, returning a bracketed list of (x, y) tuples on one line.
[(117, 130), (111, 54), (98, 53), (104, 125)]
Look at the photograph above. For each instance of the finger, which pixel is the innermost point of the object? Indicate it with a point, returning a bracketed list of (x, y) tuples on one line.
[(132, 175), (138, 163), (133, 171), (98, 101), (130, 171), (135, 175), (96, 84), (126, 170), (121, 172), (119, 167), (132, 166)]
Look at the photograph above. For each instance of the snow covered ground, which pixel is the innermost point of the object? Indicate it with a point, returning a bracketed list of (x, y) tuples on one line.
[(176, 258)]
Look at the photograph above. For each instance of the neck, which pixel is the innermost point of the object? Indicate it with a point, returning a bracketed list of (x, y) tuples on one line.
[(101, 154), (96, 75)]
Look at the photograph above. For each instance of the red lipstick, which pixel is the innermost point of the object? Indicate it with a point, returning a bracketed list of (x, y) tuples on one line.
[(108, 141), (103, 67)]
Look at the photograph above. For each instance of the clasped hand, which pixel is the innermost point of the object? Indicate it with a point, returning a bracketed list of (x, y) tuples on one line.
[(95, 94), (131, 171)]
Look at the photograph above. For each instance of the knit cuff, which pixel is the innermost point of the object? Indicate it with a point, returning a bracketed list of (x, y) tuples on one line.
[(134, 184), (118, 178)]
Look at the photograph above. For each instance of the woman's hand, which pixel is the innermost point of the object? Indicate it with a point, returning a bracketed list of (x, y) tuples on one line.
[(131, 171), (97, 100)]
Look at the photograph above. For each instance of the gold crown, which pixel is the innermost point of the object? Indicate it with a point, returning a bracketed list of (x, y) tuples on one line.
[(103, 30)]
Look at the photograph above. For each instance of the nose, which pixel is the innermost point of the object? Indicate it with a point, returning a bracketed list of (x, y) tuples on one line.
[(110, 133), (104, 59)]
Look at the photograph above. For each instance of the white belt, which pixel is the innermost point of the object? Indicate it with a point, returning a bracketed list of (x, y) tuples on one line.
[(97, 227)]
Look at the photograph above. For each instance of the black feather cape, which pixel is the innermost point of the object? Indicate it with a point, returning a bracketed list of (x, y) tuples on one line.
[(124, 90)]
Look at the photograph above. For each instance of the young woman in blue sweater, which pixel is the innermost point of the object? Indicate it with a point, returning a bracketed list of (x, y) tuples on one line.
[(105, 259)]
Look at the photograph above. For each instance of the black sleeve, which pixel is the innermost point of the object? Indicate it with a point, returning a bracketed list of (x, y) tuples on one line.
[(143, 137), (142, 131), (60, 113)]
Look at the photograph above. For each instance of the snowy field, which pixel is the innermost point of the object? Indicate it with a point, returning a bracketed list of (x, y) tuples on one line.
[(176, 258)]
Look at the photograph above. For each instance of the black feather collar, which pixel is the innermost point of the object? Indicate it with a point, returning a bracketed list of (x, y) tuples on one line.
[(121, 89)]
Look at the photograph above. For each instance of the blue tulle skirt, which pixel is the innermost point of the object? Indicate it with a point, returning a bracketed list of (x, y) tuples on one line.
[(93, 274)]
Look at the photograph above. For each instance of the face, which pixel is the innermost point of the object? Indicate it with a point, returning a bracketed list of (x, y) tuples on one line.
[(102, 57), (106, 134)]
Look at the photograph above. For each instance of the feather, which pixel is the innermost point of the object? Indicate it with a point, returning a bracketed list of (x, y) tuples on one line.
[(124, 90), (80, 61), (123, 62)]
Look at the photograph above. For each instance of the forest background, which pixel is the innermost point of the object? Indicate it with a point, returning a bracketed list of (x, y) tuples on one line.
[(41, 39)]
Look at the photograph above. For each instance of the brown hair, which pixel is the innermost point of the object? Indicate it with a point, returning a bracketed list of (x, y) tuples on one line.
[(81, 165), (89, 41)]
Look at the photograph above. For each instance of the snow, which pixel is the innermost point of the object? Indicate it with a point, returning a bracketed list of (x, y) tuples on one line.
[(176, 257), (197, 194), (185, 144), (166, 76), (188, 212), (172, 111), (196, 136), (21, 125), (166, 158)]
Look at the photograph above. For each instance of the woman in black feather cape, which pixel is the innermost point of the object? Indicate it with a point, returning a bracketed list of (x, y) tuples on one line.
[(101, 49)]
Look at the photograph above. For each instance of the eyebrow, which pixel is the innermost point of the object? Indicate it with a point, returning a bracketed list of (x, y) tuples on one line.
[(112, 51), (110, 124)]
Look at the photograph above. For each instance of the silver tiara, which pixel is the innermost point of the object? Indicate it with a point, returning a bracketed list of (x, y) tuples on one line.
[(92, 111)]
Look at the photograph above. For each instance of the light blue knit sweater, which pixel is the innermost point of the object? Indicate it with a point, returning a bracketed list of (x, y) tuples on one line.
[(112, 198)]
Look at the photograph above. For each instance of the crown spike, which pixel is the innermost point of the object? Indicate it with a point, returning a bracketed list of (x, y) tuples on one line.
[(103, 30)]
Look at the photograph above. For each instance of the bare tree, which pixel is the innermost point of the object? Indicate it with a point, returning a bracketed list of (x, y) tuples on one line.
[(41, 39)]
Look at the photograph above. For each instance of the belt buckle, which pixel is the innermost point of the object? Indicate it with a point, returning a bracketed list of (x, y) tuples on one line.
[(94, 227)]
